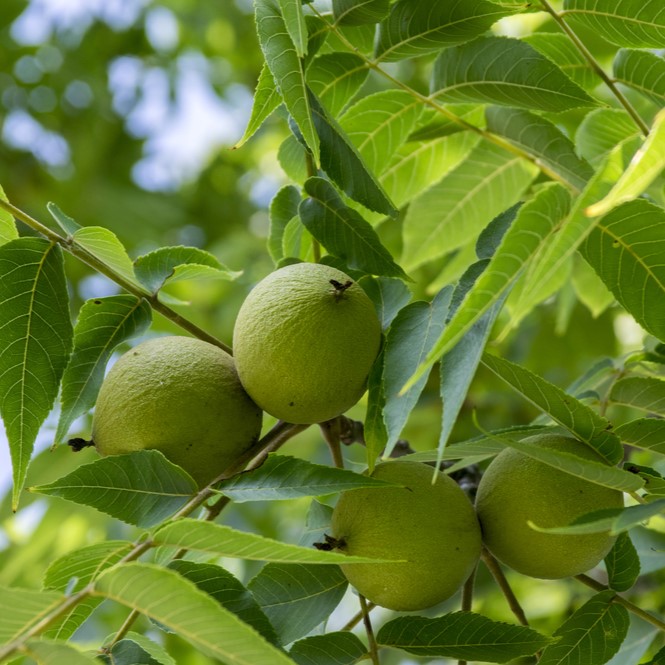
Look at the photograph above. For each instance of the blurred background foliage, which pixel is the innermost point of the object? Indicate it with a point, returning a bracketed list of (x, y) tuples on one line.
[(124, 113)]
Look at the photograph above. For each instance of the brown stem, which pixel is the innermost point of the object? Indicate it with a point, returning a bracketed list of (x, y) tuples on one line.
[(331, 430), (586, 54), (619, 600), (71, 246), (467, 599), (494, 568), (371, 640)]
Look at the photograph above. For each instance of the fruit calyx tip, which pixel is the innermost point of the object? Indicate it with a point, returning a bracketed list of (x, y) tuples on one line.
[(79, 444), (339, 288), (330, 543)]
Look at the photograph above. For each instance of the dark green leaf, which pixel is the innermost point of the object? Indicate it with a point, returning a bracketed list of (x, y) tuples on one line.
[(358, 12), (335, 78), (408, 342), (563, 52), (458, 207), (141, 488), (283, 208), (281, 477), (35, 343), (623, 564), (626, 248), (501, 70), (343, 163), (340, 648), (128, 652), (640, 392), (102, 324), (266, 100), (569, 412), (542, 140), (646, 433), (297, 598), (461, 635), (178, 604), (658, 659), (375, 431), (343, 232), (219, 584), (388, 294), (643, 71), (286, 68), (593, 634), (414, 28), (636, 23), (171, 264)]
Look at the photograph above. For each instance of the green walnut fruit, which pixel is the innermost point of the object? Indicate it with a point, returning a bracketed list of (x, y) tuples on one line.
[(181, 396), (432, 527), (517, 489), (304, 342)]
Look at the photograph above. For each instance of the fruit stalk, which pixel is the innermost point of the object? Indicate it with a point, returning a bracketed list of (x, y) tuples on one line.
[(495, 569), (371, 640)]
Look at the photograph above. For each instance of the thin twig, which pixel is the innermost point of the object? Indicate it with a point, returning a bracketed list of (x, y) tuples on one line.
[(494, 568), (619, 600), (586, 54), (122, 631), (371, 640), (280, 433), (71, 246), (356, 618)]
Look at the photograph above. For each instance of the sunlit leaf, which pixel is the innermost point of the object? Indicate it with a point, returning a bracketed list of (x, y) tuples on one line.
[(626, 248), (636, 23), (225, 541), (22, 608), (645, 393), (645, 166), (415, 28), (358, 12), (141, 488), (266, 100), (104, 245), (294, 20), (378, 124), (461, 635), (50, 652), (601, 131), (643, 71), (581, 420), (283, 208), (456, 208), (286, 68), (561, 50), (171, 264), (281, 477), (35, 343), (485, 70), (297, 598), (8, 230), (177, 603), (593, 633), (102, 324), (388, 294), (335, 78)]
